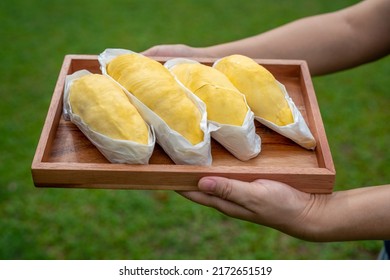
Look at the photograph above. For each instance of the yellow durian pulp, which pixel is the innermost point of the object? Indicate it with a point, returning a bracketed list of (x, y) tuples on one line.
[(225, 104), (156, 87), (259, 86), (106, 109)]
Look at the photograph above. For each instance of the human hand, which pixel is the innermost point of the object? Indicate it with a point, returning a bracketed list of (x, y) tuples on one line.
[(264, 202), (177, 50)]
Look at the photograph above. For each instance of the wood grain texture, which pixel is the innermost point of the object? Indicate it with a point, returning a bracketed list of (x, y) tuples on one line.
[(66, 158)]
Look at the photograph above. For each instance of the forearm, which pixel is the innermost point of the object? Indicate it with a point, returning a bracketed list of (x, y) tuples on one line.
[(308, 39), (356, 214), (328, 42)]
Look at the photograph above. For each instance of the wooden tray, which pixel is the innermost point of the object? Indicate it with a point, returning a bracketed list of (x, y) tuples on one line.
[(65, 158)]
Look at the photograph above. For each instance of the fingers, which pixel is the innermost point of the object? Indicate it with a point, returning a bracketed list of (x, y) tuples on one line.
[(265, 202), (234, 198), (176, 50), (153, 51), (227, 207), (168, 50), (242, 193)]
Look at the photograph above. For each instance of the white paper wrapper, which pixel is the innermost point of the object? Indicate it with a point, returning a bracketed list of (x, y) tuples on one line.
[(298, 131), (116, 151), (179, 149), (241, 141)]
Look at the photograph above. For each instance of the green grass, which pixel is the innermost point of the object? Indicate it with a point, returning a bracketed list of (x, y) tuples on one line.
[(108, 224)]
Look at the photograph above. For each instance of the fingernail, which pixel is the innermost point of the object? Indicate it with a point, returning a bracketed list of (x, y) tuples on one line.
[(207, 185)]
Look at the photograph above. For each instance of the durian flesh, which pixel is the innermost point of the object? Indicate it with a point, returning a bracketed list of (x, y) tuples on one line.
[(225, 104), (156, 87), (259, 86), (105, 108)]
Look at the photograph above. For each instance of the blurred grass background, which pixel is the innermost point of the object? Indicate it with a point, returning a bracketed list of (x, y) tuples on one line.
[(116, 224)]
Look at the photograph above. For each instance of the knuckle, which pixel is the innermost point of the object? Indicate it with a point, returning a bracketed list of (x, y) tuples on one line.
[(226, 189)]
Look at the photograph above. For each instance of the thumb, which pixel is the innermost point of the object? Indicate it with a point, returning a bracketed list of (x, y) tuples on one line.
[(227, 189)]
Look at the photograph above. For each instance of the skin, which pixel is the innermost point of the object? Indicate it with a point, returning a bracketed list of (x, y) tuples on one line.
[(329, 43), (341, 216)]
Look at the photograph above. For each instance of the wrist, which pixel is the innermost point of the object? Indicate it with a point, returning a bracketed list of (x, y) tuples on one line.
[(313, 223)]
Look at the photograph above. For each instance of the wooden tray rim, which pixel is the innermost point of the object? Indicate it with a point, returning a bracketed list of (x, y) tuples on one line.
[(40, 166)]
